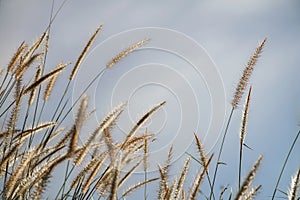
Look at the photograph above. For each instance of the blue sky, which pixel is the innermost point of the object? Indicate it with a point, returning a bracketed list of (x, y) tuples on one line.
[(226, 31)]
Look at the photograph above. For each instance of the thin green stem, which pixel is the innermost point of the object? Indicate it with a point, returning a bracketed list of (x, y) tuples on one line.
[(90, 194), (206, 172), (7, 91), (66, 178), (3, 81), (67, 175), (284, 164), (240, 163), (145, 187), (220, 153), (72, 106), (48, 134), (8, 107)]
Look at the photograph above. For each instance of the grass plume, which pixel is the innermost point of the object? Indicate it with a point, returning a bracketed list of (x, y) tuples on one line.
[(126, 52), (241, 86)]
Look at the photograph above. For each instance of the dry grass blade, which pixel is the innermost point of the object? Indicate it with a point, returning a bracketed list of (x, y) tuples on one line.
[(142, 121), (199, 179), (6, 133), (63, 140), (247, 183), (39, 173), (125, 52), (106, 123), (32, 93), (1, 72), (46, 154), (146, 162), (168, 162), (93, 173), (295, 184), (136, 186), (88, 167), (40, 187), (44, 78), (51, 83), (146, 152), (16, 57), (84, 52), (80, 118), (134, 143), (109, 144), (11, 183), (246, 75), (169, 194), (201, 151), (24, 66), (14, 114), (104, 181), (183, 195), (252, 193), (34, 47), (128, 174), (115, 178), (10, 154), (26, 182), (38, 128), (164, 175), (112, 116), (163, 184)]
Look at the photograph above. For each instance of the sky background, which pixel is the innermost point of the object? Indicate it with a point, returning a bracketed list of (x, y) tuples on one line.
[(226, 31)]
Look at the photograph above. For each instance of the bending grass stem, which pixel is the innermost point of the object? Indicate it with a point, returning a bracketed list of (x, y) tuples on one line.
[(284, 164)]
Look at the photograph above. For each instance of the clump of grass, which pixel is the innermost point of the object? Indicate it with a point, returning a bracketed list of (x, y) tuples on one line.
[(241, 86), (27, 164)]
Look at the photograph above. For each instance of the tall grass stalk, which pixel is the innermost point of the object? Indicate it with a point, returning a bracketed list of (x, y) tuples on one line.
[(243, 134)]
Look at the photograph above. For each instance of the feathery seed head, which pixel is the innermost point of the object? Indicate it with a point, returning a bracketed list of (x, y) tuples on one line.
[(245, 117), (246, 75), (84, 52), (51, 82), (126, 52)]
